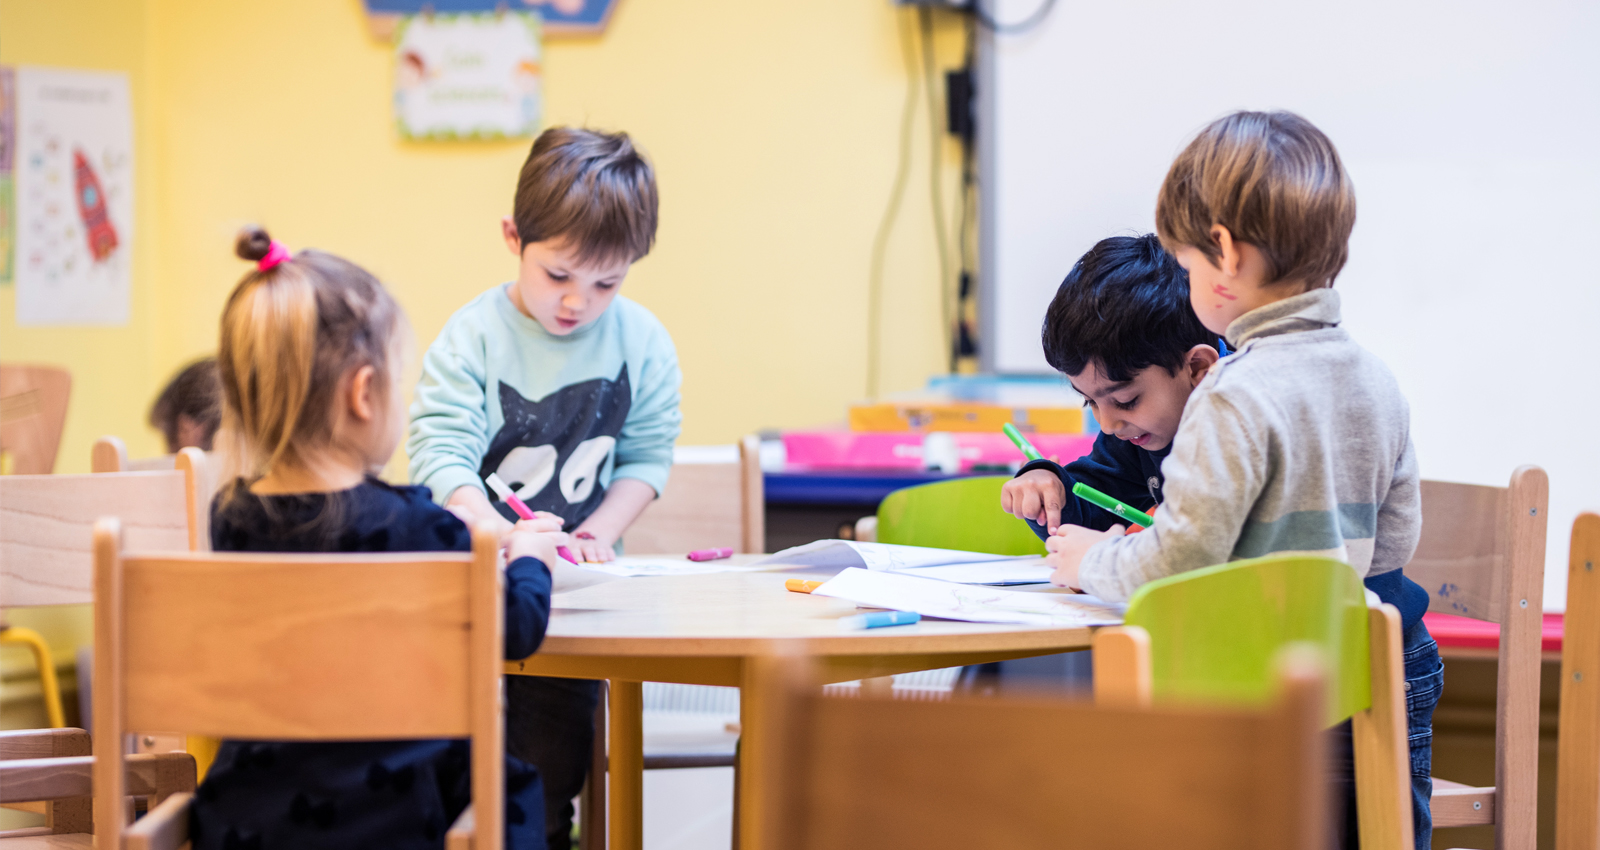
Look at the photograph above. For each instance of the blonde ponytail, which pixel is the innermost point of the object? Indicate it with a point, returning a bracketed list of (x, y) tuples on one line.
[(290, 332)]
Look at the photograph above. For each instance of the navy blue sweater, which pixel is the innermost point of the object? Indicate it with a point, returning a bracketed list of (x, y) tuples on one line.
[(260, 795), (1126, 472)]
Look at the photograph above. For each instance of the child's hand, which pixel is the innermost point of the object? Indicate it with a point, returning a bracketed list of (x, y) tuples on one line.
[(1067, 547), (542, 522), (1037, 495), (592, 549), (538, 544)]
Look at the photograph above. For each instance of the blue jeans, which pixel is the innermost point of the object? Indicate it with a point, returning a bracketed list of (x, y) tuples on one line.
[(1424, 674)]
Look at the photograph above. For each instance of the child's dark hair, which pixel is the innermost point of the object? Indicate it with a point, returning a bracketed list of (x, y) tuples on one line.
[(594, 190), (290, 333), (195, 393), (1124, 307)]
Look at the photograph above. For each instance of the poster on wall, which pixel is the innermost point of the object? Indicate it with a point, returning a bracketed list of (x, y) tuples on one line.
[(467, 76), (8, 149), (74, 194)]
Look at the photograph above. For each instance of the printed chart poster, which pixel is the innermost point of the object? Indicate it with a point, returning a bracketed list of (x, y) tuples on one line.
[(74, 188), (8, 150), (467, 76)]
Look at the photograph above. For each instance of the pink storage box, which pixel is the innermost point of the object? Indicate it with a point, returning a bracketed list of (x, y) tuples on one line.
[(903, 450)]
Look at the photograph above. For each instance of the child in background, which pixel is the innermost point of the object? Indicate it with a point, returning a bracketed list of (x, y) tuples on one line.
[(189, 409), (1121, 329), (1300, 441), (309, 361), (565, 389)]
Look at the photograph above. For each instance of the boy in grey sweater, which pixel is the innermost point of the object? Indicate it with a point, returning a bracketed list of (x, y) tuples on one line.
[(1298, 442)]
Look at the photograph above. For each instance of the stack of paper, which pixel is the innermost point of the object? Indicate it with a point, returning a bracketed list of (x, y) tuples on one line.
[(943, 564), (932, 598), (630, 567)]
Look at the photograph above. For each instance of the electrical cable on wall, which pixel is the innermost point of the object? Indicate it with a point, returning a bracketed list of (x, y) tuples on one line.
[(1016, 28), (880, 242), (930, 85)]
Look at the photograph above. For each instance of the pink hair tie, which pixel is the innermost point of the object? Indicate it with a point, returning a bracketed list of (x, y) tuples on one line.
[(275, 255)]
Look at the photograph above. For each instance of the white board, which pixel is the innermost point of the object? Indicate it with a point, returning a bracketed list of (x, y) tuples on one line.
[(74, 195), (1470, 130)]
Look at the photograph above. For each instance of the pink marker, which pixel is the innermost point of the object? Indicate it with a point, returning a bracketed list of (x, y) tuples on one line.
[(711, 554), (521, 509)]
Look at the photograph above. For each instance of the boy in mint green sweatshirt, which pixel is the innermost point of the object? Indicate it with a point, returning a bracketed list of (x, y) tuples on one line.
[(565, 389)]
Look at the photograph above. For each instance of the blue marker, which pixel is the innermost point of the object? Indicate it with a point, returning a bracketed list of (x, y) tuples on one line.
[(879, 619)]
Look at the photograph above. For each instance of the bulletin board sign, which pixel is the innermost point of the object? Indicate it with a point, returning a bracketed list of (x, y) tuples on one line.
[(467, 76), (561, 17)]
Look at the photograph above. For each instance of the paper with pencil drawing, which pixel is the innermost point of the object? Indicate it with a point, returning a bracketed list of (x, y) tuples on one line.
[(875, 556), (933, 598), (1002, 572)]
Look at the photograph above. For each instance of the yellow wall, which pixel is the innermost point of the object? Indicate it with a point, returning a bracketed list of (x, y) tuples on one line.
[(773, 128)]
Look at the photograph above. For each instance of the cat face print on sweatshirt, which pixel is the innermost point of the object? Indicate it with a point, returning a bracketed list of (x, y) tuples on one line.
[(553, 451)]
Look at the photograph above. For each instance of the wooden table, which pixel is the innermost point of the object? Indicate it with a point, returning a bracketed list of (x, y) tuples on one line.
[(699, 630)]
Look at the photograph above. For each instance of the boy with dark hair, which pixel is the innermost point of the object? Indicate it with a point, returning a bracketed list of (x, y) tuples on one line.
[(1298, 442), (1121, 329), (189, 410), (566, 390)]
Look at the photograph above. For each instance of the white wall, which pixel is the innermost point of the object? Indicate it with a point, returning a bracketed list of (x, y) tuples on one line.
[(1471, 130)]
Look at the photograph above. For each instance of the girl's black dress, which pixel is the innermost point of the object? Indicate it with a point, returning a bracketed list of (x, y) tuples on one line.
[(260, 795)]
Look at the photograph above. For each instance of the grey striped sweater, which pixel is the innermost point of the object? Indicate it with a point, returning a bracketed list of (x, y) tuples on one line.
[(1298, 442)]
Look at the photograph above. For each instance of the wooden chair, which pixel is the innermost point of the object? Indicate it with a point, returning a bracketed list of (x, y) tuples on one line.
[(45, 538), (1578, 751), (110, 454), (1482, 556), (1037, 773), (706, 505), (1210, 636), (33, 413), (299, 647), (53, 768)]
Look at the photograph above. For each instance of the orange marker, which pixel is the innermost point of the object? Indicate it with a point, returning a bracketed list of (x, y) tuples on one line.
[(801, 585)]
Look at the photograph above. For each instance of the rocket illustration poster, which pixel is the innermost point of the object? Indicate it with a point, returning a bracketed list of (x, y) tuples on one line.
[(74, 197)]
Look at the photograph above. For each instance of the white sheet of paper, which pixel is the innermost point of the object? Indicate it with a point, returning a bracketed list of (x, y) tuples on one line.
[(1005, 571), (876, 556), (631, 567), (933, 598)]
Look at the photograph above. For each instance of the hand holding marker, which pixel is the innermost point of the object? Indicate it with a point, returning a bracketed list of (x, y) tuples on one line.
[(1121, 509), (521, 508)]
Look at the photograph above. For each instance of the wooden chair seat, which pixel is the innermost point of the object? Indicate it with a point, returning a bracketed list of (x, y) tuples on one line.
[(1455, 804)]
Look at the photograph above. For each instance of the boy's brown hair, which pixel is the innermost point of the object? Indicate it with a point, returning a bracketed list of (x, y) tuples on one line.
[(1276, 182), (593, 190)]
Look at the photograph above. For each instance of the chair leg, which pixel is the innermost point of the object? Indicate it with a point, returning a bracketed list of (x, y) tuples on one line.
[(49, 688), (736, 748)]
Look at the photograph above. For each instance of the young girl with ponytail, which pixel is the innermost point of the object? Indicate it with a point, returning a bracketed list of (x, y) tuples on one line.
[(310, 357)]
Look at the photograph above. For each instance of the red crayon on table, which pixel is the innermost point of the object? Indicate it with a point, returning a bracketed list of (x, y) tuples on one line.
[(521, 509), (711, 554)]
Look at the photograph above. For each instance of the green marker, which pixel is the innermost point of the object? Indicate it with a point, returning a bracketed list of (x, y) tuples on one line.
[(1022, 442), (1127, 512)]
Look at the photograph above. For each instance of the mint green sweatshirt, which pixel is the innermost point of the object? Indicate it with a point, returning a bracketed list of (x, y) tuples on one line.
[(558, 417)]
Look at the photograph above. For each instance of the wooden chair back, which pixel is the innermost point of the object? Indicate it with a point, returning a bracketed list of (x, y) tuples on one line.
[(299, 647), (1481, 555), (46, 525), (706, 505), (110, 454), (1578, 751), (1037, 773), (33, 413)]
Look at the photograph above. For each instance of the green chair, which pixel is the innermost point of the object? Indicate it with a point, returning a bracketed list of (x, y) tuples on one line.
[(962, 513), (1210, 636)]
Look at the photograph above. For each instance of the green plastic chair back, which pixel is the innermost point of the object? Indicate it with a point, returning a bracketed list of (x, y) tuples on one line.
[(963, 513), (1215, 631)]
